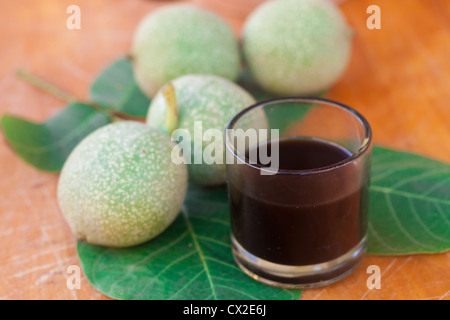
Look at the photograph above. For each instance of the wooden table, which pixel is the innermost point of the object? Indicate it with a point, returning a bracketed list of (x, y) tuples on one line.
[(398, 78)]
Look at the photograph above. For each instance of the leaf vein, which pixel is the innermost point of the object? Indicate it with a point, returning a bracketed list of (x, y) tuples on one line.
[(170, 265), (237, 290), (199, 250), (380, 240), (398, 222), (218, 242), (386, 190), (224, 263), (187, 284), (423, 225)]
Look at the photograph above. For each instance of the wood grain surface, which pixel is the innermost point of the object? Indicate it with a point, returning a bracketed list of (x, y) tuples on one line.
[(398, 78)]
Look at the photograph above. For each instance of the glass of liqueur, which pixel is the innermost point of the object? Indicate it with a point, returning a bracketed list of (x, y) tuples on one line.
[(298, 190)]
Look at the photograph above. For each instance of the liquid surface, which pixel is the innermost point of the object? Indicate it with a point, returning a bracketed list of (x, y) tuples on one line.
[(298, 232)]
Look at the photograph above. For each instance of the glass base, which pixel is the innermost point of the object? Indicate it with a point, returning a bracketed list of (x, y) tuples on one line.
[(298, 277)]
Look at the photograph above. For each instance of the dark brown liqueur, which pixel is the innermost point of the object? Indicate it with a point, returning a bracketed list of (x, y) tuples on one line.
[(294, 219)]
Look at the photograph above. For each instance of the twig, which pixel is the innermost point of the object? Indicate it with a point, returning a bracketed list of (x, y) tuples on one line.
[(67, 97), (45, 86)]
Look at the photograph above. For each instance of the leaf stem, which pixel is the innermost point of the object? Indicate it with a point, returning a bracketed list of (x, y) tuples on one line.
[(45, 86), (67, 97)]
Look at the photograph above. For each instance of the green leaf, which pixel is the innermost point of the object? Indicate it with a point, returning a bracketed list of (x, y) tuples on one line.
[(284, 116), (409, 213), (246, 81), (190, 260), (409, 204), (46, 146), (116, 89)]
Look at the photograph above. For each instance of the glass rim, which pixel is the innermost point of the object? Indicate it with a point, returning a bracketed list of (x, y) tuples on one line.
[(365, 145)]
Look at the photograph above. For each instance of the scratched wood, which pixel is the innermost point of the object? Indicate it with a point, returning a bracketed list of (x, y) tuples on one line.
[(398, 79)]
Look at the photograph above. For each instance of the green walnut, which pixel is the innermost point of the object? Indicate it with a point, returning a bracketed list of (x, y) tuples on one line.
[(119, 186), (182, 39), (200, 107), (297, 47)]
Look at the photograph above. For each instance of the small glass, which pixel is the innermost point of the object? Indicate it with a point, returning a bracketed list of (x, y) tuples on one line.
[(305, 226)]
